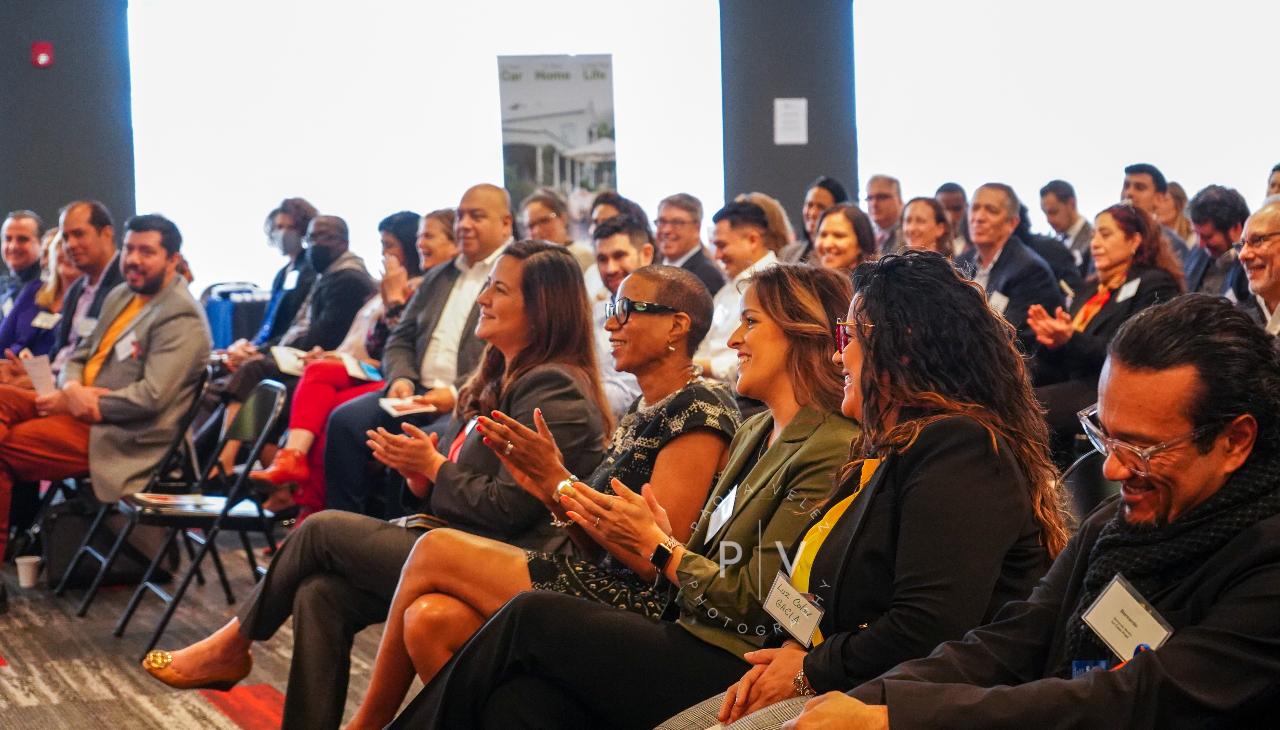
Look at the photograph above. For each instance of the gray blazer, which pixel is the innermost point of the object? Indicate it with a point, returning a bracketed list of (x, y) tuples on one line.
[(150, 389), (407, 345)]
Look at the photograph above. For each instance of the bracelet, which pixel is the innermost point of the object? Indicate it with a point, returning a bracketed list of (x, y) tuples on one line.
[(564, 483), (557, 522), (801, 685)]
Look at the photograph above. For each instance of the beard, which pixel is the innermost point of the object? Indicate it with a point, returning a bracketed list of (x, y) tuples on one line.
[(150, 284)]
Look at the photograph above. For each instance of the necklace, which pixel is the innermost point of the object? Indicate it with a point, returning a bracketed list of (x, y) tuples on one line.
[(646, 410)]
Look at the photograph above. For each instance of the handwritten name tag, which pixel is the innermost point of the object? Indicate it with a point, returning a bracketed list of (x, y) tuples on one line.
[(46, 320), (1128, 290), (722, 514), (790, 608), (1123, 620), (998, 302)]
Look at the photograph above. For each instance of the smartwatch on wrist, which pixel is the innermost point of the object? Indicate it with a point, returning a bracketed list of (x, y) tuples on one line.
[(662, 554)]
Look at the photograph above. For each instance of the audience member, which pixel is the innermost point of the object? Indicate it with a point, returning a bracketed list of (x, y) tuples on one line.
[(884, 207), (822, 194), (925, 227), (780, 234), (622, 246), (845, 238), (569, 652), (675, 437), (1260, 257), (1194, 533), (742, 247), (954, 452), (609, 203), (1273, 182), (130, 380), (1145, 186), (1136, 270), (1058, 202), (337, 573), (1011, 274), (1218, 216), (956, 203), (429, 354), (1059, 259), (89, 236), (1172, 214), (545, 216), (679, 226), (21, 251), (38, 307)]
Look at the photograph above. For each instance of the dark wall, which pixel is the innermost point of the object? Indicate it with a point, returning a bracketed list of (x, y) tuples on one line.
[(66, 132), (787, 49)]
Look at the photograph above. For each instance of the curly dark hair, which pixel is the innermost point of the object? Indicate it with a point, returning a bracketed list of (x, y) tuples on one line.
[(933, 349), (298, 209)]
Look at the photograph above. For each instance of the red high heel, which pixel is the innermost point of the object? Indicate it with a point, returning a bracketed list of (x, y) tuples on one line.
[(289, 467)]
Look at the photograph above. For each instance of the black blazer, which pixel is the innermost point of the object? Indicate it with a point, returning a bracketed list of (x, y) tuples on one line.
[(1197, 263), (706, 270), (1060, 260), (112, 277), (1024, 278), (479, 495), (291, 300), (1082, 356), (938, 540), (407, 345), (1219, 669), (337, 297)]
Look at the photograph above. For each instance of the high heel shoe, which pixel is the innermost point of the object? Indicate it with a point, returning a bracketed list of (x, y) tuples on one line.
[(289, 467), (157, 665)]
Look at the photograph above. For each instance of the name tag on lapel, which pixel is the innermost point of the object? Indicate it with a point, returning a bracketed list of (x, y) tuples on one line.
[(793, 610), (1124, 621), (1128, 290), (291, 279), (46, 320), (126, 347), (722, 514), (998, 302), (6, 308), (85, 326), (1231, 296)]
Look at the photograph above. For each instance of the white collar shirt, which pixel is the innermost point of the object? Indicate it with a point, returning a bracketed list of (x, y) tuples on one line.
[(1273, 318), (440, 361)]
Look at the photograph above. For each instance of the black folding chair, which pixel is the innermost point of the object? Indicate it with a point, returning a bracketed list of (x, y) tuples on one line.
[(175, 473), (210, 514)]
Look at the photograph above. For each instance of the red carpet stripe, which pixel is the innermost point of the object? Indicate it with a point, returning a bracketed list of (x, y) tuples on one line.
[(3, 663), (252, 707)]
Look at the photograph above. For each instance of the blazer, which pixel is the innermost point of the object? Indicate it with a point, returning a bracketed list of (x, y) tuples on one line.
[(290, 300), (336, 296), (477, 494), (1236, 286), (407, 345), (1023, 278), (1218, 669), (1082, 356), (889, 576), (18, 330), (723, 604), (1081, 251), (151, 389), (112, 277), (1060, 260), (706, 270)]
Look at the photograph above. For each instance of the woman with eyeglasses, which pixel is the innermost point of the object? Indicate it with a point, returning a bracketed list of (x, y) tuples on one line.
[(675, 437), (624, 669), (1136, 268), (545, 216)]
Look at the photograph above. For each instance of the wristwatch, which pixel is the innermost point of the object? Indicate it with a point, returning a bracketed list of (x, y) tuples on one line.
[(801, 685), (556, 494), (662, 554)]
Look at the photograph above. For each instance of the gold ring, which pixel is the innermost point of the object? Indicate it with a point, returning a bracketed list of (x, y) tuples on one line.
[(510, 447), (610, 505), (597, 522)]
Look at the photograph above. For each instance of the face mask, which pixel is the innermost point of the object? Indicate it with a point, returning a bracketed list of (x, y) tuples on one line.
[(286, 241), (320, 257)]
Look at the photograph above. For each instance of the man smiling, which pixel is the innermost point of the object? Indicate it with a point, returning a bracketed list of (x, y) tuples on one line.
[(1260, 256)]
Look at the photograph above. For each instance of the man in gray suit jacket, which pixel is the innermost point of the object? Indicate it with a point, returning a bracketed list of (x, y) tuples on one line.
[(125, 388), (1058, 201)]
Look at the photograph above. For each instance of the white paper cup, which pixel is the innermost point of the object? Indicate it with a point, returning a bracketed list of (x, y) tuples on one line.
[(28, 570)]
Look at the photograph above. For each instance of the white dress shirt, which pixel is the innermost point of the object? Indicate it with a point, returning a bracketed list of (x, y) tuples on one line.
[(620, 389), (724, 320), (440, 362), (981, 274), (683, 258), (1273, 318)]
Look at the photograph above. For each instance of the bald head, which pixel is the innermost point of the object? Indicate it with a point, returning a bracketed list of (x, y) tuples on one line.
[(484, 221)]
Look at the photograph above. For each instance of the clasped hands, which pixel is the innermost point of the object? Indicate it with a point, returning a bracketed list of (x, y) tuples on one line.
[(78, 400), (415, 454), (1052, 332), (771, 680), (442, 398)]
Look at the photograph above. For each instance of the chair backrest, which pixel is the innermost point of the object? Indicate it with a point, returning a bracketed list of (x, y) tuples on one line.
[(180, 447), (252, 425), (1086, 484)]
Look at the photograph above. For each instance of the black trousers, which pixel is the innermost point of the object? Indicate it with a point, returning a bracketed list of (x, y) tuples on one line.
[(336, 575), (547, 660), (348, 485)]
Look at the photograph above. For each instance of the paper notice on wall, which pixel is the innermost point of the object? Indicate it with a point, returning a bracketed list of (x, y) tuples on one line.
[(790, 121)]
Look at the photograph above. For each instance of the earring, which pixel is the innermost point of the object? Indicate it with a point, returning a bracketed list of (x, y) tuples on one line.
[(670, 348)]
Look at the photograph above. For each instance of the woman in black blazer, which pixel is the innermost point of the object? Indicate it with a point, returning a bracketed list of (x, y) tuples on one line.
[(1136, 269)]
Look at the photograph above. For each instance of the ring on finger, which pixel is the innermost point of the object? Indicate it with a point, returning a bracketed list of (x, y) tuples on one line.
[(609, 506), (597, 522), (510, 447)]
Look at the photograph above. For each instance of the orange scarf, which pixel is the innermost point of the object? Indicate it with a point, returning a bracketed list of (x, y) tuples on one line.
[(1097, 302)]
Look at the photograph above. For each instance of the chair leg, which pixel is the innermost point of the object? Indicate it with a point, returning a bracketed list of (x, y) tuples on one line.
[(81, 551), (169, 537), (104, 568), (212, 549), (191, 555), (178, 594)]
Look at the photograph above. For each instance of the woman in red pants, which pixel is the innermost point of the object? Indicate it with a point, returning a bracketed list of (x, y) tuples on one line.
[(325, 385)]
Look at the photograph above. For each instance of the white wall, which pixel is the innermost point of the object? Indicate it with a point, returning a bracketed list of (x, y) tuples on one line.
[(1025, 92), (366, 109)]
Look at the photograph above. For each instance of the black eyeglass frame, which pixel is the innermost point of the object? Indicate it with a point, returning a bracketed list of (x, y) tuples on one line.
[(622, 308)]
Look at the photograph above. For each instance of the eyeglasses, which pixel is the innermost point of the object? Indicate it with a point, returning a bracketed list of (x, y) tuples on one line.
[(1133, 458), (623, 307), (844, 335), (311, 239), (1255, 242), (541, 221), (671, 222)]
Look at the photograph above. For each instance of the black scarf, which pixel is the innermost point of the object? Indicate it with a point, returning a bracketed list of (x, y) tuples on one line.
[(1154, 560)]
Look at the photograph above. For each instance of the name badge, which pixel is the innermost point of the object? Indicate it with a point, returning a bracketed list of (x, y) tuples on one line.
[(291, 279), (1128, 290), (6, 308), (793, 610), (126, 347), (722, 513), (998, 302), (85, 326), (1231, 296), (46, 320), (1123, 620)]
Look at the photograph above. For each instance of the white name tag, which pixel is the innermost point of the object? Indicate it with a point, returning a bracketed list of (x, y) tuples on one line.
[(998, 302), (1123, 620), (126, 347), (6, 308), (1231, 296), (722, 513), (291, 279), (792, 610), (1128, 290), (85, 326), (46, 320)]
